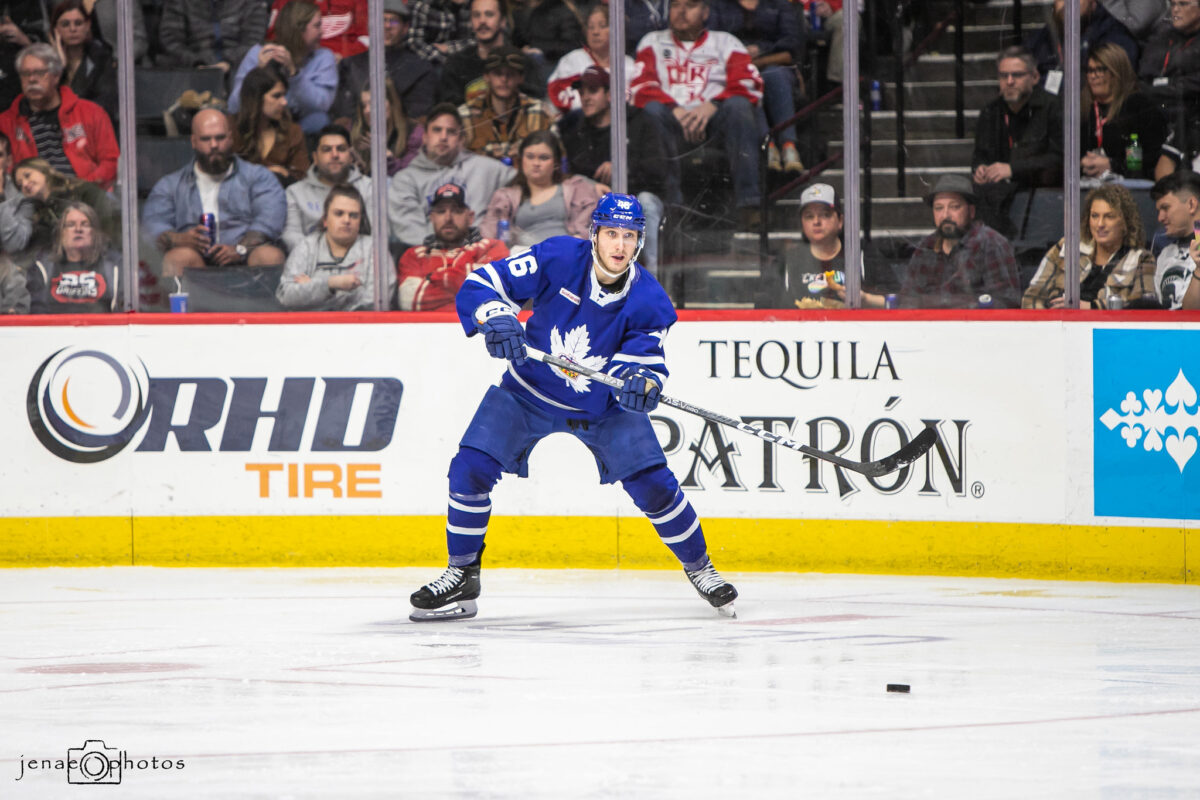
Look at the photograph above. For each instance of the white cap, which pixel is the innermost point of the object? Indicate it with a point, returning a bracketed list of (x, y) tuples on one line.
[(819, 193)]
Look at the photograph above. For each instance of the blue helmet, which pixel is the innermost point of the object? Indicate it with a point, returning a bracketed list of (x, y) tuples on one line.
[(619, 211)]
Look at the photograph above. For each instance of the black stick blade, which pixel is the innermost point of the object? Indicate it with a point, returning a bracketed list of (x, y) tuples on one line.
[(905, 455)]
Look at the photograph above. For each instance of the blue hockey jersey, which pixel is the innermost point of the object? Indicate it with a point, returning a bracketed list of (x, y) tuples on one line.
[(573, 318)]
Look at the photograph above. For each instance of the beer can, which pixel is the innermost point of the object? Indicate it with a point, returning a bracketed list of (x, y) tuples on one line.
[(889, 301), (814, 19), (1116, 302), (876, 96)]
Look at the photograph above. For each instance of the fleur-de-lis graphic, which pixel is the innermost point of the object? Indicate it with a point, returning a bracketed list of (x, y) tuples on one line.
[(1169, 420)]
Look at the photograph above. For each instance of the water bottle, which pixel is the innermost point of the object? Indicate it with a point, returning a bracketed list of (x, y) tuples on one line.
[(890, 301), (503, 232), (814, 19), (1133, 156), (876, 96)]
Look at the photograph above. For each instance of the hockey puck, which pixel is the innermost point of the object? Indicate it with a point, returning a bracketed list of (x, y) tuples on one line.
[(902, 688)]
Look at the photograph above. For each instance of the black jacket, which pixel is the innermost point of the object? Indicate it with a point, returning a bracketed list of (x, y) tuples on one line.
[(413, 77), (1140, 115), (1036, 152), (588, 147)]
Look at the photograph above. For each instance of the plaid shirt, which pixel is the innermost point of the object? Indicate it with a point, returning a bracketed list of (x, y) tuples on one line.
[(488, 134), (439, 22), (981, 263)]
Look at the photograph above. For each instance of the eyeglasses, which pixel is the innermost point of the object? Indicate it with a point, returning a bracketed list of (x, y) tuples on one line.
[(33, 73), (1096, 70), (1013, 76)]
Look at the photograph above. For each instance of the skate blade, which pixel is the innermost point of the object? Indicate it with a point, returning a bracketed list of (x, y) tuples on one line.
[(727, 610), (463, 609)]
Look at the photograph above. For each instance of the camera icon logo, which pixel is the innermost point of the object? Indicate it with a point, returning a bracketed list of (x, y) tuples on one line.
[(94, 762)]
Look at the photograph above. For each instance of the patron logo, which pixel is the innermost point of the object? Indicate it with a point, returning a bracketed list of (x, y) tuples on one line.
[(85, 406), (800, 364), (1146, 423)]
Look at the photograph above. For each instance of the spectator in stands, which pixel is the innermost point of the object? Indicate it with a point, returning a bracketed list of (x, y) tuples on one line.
[(22, 23), (546, 30), (963, 263), (333, 269), (771, 31), (311, 69), (210, 33), (28, 219), (81, 274), (88, 66), (540, 201), (1170, 67), (821, 223), (8, 189), (643, 17), (1096, 27), (1115, 111), (586, 137), (1138, 16), (441, 160), (431, 274), (104, 25), (343, 25), (496, 121), (462, 73), (440, 28), (1181, 151), (830, 12), (1177, 198), (333, 165), (414, 78), (246, 200), (1018, 140), (563, 85), (14, 294), (701, 85), (263, 130), (1113, 259), (49, 121), (403, 140)]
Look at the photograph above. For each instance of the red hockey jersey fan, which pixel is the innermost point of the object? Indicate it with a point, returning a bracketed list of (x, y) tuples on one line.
[(713, 67), (343, 24)]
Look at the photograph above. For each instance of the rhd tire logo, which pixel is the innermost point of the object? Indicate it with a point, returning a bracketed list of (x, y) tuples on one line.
[(87, 427)]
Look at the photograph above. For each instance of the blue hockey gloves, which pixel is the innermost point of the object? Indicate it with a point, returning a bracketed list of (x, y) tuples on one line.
[(640, 390), (502, 332)]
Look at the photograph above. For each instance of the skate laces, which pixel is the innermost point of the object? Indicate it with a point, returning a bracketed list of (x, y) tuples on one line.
[(707, 579), (450, 579)]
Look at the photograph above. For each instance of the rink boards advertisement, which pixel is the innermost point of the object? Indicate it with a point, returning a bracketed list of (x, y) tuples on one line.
[(1041, 426)]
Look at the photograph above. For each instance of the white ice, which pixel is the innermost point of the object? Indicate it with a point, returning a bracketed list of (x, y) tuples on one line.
[(311, 683)]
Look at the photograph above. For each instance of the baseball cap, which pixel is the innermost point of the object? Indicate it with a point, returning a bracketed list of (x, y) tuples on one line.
[(505, 56), (819, 193), (398, 7), (593, 77), (448, 191)]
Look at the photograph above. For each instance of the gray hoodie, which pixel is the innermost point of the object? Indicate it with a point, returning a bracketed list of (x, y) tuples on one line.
[(408, 195), (312, 258), (306, 203)]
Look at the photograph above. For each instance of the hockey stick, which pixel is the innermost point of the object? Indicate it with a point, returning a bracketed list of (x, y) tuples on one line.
[(905, 455)]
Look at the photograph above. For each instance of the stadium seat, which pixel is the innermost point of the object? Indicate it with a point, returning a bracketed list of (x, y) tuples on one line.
[(156, 90), (157, 156)]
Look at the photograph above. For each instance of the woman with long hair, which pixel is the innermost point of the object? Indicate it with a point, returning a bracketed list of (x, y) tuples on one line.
[(263, 130), (311, 70), (403, 138), (81, 273), (88, 67), (540, 201), (27, 222), (1114, 112), (333, 268), (1114, 263)]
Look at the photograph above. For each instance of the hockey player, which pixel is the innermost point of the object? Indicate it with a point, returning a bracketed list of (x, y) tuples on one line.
[(592, 304)]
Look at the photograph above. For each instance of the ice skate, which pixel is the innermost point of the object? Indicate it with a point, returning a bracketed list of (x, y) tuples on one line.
[(452, 596), (713, 588)]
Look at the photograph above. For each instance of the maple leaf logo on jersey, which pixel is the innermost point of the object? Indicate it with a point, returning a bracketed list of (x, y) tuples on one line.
[(574, 347)]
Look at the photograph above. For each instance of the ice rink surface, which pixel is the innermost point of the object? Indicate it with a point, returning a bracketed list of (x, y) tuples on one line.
[(309, 683)]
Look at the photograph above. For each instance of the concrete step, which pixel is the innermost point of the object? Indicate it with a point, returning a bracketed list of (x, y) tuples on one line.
[(918, 123), (921, 152), (939, 95), (885, 180), (939, 66), (1033, 14)]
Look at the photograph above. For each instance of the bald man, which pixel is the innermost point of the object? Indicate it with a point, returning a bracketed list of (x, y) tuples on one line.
[(246, 201)]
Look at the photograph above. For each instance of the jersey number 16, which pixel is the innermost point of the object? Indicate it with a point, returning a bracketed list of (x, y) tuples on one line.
[(525, 265)]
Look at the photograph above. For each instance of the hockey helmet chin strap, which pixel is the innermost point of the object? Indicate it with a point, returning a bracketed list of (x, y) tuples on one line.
[(596, 256)]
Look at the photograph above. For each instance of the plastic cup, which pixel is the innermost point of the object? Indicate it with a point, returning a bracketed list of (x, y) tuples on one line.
[(179, 302)]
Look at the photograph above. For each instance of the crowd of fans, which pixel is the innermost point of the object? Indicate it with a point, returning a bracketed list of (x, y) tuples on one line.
[(497, 136)]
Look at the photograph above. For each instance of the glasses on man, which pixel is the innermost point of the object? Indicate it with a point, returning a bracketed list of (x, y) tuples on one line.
[(1014, 76), (33, 73)]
